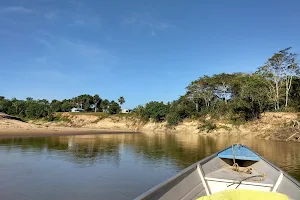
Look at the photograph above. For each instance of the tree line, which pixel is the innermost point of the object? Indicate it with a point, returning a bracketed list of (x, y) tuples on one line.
[(275, 86), (42, 108)]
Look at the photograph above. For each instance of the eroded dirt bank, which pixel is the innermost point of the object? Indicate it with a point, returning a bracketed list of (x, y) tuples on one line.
[(271, 126)]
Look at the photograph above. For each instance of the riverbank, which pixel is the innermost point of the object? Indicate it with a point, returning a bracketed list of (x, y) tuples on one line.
[(272, 126), (17, 128)]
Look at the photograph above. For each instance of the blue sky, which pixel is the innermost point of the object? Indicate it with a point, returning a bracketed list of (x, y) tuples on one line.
[(142, 50)]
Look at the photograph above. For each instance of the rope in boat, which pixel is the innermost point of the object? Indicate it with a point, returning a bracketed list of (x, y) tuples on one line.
[(240, 182), (235, 166), (248, 170)]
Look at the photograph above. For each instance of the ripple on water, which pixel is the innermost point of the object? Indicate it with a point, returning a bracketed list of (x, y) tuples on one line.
[(116, 165)]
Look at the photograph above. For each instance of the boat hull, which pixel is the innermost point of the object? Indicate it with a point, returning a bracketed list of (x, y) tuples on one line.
[(214, 174)]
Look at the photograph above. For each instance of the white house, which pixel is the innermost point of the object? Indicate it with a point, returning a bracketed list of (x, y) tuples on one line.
[(77, 110), (127, 110)]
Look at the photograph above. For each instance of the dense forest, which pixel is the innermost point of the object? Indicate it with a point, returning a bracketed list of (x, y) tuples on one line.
[(34, 109), (275, 86)]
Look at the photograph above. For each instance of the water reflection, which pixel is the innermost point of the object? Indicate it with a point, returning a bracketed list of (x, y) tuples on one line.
[(114, 165)]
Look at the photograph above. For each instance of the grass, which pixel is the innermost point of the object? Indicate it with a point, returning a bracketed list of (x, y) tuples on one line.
[(98, 114), (126, 115), (59, 118), (225, 128), (207, 126), (103, 115)]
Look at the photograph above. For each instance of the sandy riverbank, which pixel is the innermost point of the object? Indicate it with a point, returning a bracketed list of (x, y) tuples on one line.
[(9, 127), (271, 126)]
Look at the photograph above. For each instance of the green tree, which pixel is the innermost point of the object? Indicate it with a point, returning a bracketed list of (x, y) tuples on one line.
[(222, 85), (139, 110), (18, 107), (56, 106), (201, 89), (37, 109), (279, 71), (252, 98), (290, 70), (88, 102), (5, 105), (121, 101), (67, 105), (179, 110), (114, 108), (156, 110), (84, 101), (97, 101), (104, 105), (295, 93)]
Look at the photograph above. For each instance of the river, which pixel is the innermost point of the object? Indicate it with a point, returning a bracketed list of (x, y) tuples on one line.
[(113, 166)]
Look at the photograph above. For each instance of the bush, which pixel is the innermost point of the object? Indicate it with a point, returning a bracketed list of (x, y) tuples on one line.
[(291, 109), (177, 114), (208, 126), (174, 118), (114, 108), (154, 110), (141, 113), (180, 110), (236, 119), (50, 118)]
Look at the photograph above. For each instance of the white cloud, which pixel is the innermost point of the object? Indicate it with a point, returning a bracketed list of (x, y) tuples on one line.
[(41, 59), (91, 54), (79, 22), (16, 9), (63, 49), (47, 74), (51, 15), (45, 43), (153, 33), (76, 4), (80, 15), (86, 21), (129, 20), (10, 33), (149, 23), (163, 26)]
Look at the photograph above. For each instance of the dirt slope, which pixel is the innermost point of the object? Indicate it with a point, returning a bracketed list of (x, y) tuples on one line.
[(275, 126)]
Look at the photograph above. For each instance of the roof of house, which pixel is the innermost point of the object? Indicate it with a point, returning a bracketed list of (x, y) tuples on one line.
[(77, 109)]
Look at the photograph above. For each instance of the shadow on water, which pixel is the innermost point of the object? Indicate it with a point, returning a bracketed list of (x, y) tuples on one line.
[(139, 160)]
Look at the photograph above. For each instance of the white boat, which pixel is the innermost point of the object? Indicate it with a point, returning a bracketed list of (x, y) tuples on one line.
[(235, 168)]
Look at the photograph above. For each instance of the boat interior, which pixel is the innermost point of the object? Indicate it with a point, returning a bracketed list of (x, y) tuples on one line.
[(224, 171)]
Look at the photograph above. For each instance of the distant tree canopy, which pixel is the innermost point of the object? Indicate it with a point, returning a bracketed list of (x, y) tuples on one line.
[(153, 110), (104, 105), (238, 96), (275, 86), (121, 100), (34, 109), (113, 108)]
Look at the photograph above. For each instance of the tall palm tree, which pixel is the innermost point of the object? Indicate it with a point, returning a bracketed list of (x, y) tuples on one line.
[(121, 101)]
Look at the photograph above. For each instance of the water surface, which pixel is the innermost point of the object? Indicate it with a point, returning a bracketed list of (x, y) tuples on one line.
[(113, 166)]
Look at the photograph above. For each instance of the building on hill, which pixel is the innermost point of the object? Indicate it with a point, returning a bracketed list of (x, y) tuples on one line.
[(77, 110), (127, 110)]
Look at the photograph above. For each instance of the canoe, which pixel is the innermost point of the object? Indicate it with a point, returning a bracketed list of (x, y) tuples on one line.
[(234, 168)]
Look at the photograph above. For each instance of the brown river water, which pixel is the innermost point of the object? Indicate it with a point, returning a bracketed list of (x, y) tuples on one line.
[(113, 166)]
